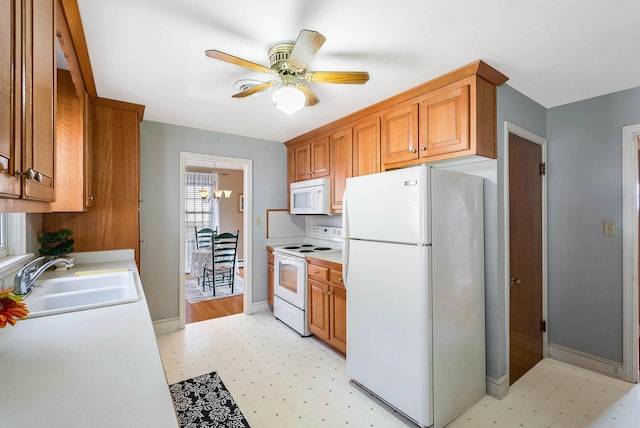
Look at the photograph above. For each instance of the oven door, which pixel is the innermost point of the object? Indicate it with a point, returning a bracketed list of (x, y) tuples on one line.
[(290, 281)]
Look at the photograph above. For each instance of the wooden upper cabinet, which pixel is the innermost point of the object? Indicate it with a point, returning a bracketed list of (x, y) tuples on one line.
[(10, 97), (40, 84), (366, 147), (74, 120), (447, 118), (444, 121), (311, 159), (73, 147), (399, 134), (341, 150), (320, 161), (302, 162)]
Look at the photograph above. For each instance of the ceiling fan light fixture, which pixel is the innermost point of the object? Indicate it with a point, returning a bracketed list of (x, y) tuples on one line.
[(288, 99)]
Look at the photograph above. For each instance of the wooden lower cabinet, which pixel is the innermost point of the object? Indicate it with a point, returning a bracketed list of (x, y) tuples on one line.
[(327, 303), (270, 276)]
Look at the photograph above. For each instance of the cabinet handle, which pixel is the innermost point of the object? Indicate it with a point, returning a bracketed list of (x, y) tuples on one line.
[(330, 293), (413, 150), (31, 174), (340, 279), (18, 173), (38, 176), (423, 148)]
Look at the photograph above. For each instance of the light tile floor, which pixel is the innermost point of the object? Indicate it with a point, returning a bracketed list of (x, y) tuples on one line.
[(282, 380)]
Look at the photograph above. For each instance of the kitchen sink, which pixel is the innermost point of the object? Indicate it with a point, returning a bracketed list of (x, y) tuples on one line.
[(78, 293)]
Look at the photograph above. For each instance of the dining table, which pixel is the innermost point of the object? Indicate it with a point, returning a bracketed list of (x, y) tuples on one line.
[(199, 258)]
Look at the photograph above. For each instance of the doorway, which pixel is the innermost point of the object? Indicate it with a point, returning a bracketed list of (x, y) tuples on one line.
[(525, 165), (231, 211), (630, 250)]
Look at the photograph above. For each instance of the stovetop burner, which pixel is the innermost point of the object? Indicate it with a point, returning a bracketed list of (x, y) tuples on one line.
[(301, 249)]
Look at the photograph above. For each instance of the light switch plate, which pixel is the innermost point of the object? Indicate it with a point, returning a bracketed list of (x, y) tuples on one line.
[(609, 228)]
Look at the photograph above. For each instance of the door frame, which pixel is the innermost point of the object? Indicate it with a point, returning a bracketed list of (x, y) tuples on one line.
[(630, 320), (512, 128), (247, 167)]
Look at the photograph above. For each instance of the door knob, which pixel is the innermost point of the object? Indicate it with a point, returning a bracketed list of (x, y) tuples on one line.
[(515, 281)]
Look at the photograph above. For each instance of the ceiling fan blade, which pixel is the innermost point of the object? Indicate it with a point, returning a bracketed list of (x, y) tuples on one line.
[(309, 95), (353, 77), (256, 89), (212, 53), (305, 48)]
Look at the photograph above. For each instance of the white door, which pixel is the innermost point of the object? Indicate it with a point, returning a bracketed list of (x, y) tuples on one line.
[(388, 324), (375, 202)]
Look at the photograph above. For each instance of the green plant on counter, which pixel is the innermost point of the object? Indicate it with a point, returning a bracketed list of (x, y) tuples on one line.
[(56, 244)]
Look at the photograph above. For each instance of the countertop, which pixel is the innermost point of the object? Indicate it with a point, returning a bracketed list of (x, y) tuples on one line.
[(97, 368)]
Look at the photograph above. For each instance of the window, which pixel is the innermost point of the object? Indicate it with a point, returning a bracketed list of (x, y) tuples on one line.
[(198, 212)]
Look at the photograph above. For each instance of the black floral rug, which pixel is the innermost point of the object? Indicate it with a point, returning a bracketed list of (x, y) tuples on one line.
[(204, 402)]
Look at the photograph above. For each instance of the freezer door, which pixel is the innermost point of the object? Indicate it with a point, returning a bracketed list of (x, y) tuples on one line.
[(388, 327), (390, 206)]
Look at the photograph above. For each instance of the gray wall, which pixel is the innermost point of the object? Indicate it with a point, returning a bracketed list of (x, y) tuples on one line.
[(526, 113), (160, 147), (584, 189)]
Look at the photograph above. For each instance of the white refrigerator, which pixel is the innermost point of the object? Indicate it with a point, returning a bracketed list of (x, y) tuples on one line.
[(414, 273)]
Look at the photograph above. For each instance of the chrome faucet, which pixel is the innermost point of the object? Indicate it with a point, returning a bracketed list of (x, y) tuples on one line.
[(29, 273)]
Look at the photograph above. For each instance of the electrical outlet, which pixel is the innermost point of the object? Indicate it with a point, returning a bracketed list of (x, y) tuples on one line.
[(609, 228)]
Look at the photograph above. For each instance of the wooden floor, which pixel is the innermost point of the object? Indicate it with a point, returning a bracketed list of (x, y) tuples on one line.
[(216, 308)]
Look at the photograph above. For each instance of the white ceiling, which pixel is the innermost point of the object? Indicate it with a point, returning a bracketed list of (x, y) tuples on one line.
[(151, 52)]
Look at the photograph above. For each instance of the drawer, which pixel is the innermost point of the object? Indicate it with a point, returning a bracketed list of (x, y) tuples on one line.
[(318, 272), (335, 277)]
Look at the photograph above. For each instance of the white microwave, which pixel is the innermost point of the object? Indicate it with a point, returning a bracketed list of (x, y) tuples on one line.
[(310, 197)]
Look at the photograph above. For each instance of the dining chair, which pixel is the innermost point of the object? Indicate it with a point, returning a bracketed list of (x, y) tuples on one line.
[(204, 237), (222, 271)]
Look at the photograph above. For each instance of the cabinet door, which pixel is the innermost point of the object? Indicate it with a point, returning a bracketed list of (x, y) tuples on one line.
[(320, 160), (270, 284), (302, 161), (366, 147), (444, 122), (87, 122), (341, 150), (69, 146), (338, 318), (318, 308), (40, 80), (399, 139), (10, 97)]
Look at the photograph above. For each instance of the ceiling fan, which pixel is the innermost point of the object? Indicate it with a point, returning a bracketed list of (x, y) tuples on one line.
[(289, 61)]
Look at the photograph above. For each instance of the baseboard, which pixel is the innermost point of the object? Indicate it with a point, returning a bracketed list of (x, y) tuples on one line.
[(166, 325), (259, 307), (587, 361), (498, 388)]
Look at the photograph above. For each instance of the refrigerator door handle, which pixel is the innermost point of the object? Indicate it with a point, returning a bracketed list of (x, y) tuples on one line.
[(345, 238)]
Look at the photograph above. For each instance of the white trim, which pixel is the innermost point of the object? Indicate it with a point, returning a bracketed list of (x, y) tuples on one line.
[(587, 361), (630, 252), (16, 233), (260, 307), (167, 325), (534, 138), (247, 239), (498, 388)]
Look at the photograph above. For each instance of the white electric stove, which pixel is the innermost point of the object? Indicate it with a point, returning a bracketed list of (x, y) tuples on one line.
[(290, 274)]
